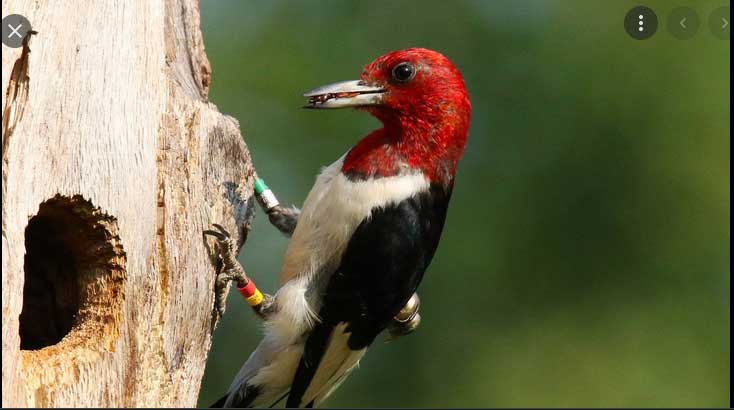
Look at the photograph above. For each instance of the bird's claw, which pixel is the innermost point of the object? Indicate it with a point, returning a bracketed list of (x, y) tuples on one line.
[(221, 233), (406, 321), (231, 268)]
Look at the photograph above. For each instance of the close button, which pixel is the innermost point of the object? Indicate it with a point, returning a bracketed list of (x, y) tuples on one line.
[(15, 29)]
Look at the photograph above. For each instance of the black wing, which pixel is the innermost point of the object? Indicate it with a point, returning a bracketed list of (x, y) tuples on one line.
[(380, 270)]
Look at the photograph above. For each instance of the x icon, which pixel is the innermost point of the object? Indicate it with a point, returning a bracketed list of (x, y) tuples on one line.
[(14, 31)]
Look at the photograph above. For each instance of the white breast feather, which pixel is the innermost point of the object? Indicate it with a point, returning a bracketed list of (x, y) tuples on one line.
[(331, 213)]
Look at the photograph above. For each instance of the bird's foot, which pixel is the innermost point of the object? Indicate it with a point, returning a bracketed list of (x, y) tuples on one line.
[(231, 269), (406, 321)]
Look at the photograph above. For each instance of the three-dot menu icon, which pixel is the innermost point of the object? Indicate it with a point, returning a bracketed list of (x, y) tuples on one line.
[(641, 22)]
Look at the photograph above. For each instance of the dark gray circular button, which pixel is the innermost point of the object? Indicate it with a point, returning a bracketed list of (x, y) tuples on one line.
[(683, 23), (641, 23), (15, 28), (719, 22)]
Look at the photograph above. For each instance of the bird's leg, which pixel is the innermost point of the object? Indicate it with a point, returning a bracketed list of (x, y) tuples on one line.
[(407, 320), (284, 219), (233, 271)]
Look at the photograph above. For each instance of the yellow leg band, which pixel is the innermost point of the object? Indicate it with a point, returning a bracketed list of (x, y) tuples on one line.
[(255, 299)]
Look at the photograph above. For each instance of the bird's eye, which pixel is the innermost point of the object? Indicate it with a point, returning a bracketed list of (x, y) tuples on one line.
[(403, 72)]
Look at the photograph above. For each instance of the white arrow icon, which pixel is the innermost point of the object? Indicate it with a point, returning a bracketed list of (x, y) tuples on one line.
[(726, 23), (683, 22)]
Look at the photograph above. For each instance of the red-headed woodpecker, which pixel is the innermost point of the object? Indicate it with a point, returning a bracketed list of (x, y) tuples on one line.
[(366, 233)]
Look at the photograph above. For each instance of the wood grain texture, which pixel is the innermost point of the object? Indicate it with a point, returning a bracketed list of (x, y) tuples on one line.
[(110, 103)]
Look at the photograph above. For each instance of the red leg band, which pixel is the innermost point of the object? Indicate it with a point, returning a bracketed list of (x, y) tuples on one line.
[(248, 290)]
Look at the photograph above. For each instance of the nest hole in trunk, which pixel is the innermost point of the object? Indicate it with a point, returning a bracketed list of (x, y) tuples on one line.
[(74, 275)]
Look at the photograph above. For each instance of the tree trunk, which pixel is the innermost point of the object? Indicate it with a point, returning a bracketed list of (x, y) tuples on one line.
[(113, 164)]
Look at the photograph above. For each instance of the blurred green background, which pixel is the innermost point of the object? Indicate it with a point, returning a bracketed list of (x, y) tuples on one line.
[(585, 260)]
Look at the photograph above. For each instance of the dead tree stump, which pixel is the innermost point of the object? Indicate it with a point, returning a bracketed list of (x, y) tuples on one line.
[(114, 162)]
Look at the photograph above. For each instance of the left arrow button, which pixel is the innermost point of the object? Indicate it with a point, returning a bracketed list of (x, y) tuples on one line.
[(683, 23)]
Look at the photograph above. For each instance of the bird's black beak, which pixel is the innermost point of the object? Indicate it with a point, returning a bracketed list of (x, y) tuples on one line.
[(344, 94)]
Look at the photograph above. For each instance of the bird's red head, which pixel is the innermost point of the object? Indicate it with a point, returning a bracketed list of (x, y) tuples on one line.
[(419, 96)]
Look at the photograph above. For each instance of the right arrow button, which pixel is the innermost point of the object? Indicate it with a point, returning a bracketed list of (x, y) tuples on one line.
[(719, 23)]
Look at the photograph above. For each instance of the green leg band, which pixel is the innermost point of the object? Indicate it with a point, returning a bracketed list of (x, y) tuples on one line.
[(265, 196), (260, 186)]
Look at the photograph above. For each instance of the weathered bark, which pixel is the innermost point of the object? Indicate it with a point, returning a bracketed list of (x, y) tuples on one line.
[(113, 164)]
